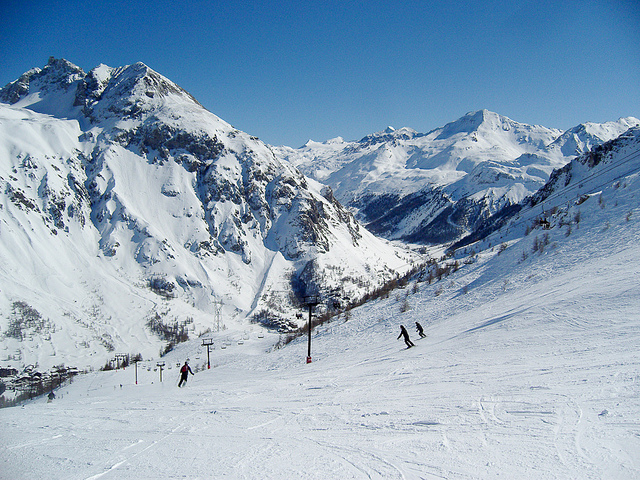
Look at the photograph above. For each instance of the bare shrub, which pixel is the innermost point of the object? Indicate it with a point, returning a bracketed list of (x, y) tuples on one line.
[(405, 306)]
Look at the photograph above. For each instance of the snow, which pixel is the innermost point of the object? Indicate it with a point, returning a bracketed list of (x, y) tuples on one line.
[(530, 369), (480, 156), (583, 137), (88, 219)]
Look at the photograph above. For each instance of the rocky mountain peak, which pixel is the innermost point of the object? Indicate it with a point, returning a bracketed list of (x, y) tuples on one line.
[(481, 121), (57, 74), (389, 134), (61, 86), (127, 91)]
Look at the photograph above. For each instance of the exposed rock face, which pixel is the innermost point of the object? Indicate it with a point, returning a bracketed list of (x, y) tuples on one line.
[(157, 199), (57, 75)]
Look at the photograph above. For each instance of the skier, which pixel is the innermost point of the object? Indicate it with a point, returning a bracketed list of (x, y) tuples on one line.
[(405, 334), (184, 371), (420, 330)]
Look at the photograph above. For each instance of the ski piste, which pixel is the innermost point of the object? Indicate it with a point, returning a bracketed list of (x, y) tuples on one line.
[(531, 368)]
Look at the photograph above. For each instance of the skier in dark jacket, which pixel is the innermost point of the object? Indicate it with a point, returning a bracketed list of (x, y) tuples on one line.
[(405, 334), (420, 330), (184, 371)]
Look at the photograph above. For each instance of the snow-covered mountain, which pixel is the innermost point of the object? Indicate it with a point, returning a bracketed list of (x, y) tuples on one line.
[(130, 214), (438, 186), (558, 201), (584, 137), (529, 369), (127, 207)]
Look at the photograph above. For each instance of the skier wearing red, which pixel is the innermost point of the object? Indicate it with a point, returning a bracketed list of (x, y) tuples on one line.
[(184, 371)]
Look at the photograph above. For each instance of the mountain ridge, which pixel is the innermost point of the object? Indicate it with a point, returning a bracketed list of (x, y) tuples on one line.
[(436, 187), (149, 197)]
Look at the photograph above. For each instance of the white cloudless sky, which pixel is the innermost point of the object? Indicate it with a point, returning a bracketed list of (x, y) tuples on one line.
[(289, 71)]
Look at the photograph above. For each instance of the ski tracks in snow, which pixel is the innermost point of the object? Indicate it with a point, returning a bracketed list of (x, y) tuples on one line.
[(133, 450)]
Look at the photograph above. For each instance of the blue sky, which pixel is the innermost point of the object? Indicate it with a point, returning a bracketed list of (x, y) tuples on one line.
[(290, 71)]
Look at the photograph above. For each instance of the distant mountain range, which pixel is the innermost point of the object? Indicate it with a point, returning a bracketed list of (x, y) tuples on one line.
[(436, 187)]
